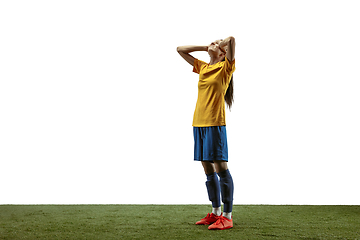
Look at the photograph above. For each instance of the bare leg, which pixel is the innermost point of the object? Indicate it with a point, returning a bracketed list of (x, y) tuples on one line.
[(209, 167), (220, 166)]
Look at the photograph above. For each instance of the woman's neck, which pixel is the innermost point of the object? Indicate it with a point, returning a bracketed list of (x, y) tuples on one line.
[(214, 61)]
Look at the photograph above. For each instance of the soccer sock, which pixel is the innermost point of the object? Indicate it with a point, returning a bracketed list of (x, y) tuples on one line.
[(216, 211), (227, 190), (227, 215), (213, 188)]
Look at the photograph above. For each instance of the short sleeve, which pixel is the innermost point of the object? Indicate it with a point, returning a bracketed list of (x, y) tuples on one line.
[(229, 66), (198, 65)]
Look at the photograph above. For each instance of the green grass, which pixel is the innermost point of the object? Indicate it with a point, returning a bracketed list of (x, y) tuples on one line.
[(176, 222)]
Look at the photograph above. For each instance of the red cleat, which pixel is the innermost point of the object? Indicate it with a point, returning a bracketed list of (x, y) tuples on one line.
[(221, 224), (209, 219)]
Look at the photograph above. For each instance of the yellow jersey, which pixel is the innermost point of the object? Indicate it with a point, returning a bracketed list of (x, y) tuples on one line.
[(213, 83)]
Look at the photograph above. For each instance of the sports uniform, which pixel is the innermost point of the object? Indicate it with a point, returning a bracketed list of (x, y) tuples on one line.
[(210, 140), (209, 116)]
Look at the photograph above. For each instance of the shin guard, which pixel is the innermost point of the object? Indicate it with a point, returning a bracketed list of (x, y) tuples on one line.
[(213, 188), (227, 190)]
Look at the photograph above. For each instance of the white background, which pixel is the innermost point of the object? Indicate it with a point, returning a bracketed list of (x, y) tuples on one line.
[(96, 105)]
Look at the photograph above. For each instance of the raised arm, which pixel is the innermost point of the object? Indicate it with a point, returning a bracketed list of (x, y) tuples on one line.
[(185, 50), (230, 43)]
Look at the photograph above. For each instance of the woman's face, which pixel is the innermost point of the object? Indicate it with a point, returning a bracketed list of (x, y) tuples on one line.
[(214, 48)]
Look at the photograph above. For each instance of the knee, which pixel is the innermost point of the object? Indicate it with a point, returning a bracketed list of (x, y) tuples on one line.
[(208, 167), (221, 166)]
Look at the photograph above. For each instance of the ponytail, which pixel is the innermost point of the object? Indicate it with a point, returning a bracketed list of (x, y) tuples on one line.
[(229, 95)]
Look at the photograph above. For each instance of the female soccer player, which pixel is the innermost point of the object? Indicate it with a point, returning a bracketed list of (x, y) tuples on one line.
[(214, 88)]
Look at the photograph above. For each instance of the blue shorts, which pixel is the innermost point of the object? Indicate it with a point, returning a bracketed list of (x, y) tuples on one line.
[(210, 143)]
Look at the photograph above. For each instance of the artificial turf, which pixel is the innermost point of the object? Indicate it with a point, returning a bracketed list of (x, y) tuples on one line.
[(176, 222)]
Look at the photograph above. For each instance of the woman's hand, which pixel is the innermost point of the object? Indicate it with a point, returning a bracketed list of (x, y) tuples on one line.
[(228, 46), (223, 45)]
